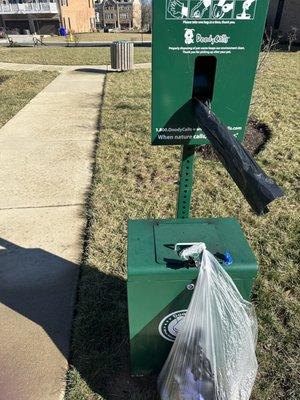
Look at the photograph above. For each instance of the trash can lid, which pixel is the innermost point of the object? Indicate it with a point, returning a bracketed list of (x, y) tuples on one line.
[(151, 244)]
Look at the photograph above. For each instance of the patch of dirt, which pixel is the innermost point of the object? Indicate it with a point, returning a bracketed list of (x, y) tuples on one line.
[(255, 140), (123, 387), (3, 79)]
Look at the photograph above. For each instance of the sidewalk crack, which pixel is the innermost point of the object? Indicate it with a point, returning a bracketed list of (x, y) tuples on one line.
[(39, 207)]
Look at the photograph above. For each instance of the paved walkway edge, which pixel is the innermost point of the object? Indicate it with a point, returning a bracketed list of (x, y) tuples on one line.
[(46, 155), (62, 68)]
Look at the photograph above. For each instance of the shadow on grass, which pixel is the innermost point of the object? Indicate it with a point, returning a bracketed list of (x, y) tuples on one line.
[(126, 106), (100, 346)]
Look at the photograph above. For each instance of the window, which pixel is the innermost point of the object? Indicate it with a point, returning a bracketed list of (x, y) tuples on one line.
[(123, 15), (109, 16), (64, 2), (93, 23)]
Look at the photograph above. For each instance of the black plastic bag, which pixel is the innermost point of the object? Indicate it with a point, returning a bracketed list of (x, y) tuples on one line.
[(258, 189)]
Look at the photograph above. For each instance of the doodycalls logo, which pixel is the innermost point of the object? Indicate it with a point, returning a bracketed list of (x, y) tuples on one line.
[(170, 325), (189, 36)]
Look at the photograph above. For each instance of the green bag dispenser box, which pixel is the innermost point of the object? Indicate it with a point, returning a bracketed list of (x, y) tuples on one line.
[(160, 285)]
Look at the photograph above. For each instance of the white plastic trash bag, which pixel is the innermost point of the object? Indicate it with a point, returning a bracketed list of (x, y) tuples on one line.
[(213, 356)]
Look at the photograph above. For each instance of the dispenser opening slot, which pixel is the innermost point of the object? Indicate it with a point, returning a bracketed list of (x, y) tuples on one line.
[(204, 78)]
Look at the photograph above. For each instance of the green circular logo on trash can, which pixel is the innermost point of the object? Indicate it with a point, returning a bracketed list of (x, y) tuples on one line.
[(170, 325)]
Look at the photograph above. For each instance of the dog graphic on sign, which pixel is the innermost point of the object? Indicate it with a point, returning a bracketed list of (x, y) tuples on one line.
[(189, 36)]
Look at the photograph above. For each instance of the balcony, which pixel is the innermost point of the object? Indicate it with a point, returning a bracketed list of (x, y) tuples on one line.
[(29, 8)]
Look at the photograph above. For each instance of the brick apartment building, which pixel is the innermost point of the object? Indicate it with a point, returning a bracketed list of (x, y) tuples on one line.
[(119, 14), (46, 16)]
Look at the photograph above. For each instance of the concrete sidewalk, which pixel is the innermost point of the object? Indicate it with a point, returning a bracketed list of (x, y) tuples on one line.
[(95, 43), (46, 155), (63, 68), (83, 43)]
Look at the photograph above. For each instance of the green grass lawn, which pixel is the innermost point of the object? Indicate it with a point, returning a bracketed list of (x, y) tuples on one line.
[(17, 88), (103, 37), (67, 55), (134, 180)]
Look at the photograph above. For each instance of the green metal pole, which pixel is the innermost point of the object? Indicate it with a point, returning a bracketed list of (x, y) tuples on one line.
[(186, 181)]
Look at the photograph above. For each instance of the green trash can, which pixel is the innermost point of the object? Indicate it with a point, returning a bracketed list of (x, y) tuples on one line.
[(160, 284)]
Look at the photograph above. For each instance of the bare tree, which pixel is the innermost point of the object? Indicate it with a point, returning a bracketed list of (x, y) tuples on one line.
[(270, 42), (146, 14), (292, 37)]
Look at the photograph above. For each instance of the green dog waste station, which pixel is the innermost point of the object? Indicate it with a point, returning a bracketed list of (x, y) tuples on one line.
[(160, 284), (209, 48)]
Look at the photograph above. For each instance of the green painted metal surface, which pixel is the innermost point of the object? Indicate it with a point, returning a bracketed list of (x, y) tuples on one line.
[(185, 182), (187, 29), (157, 279)]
